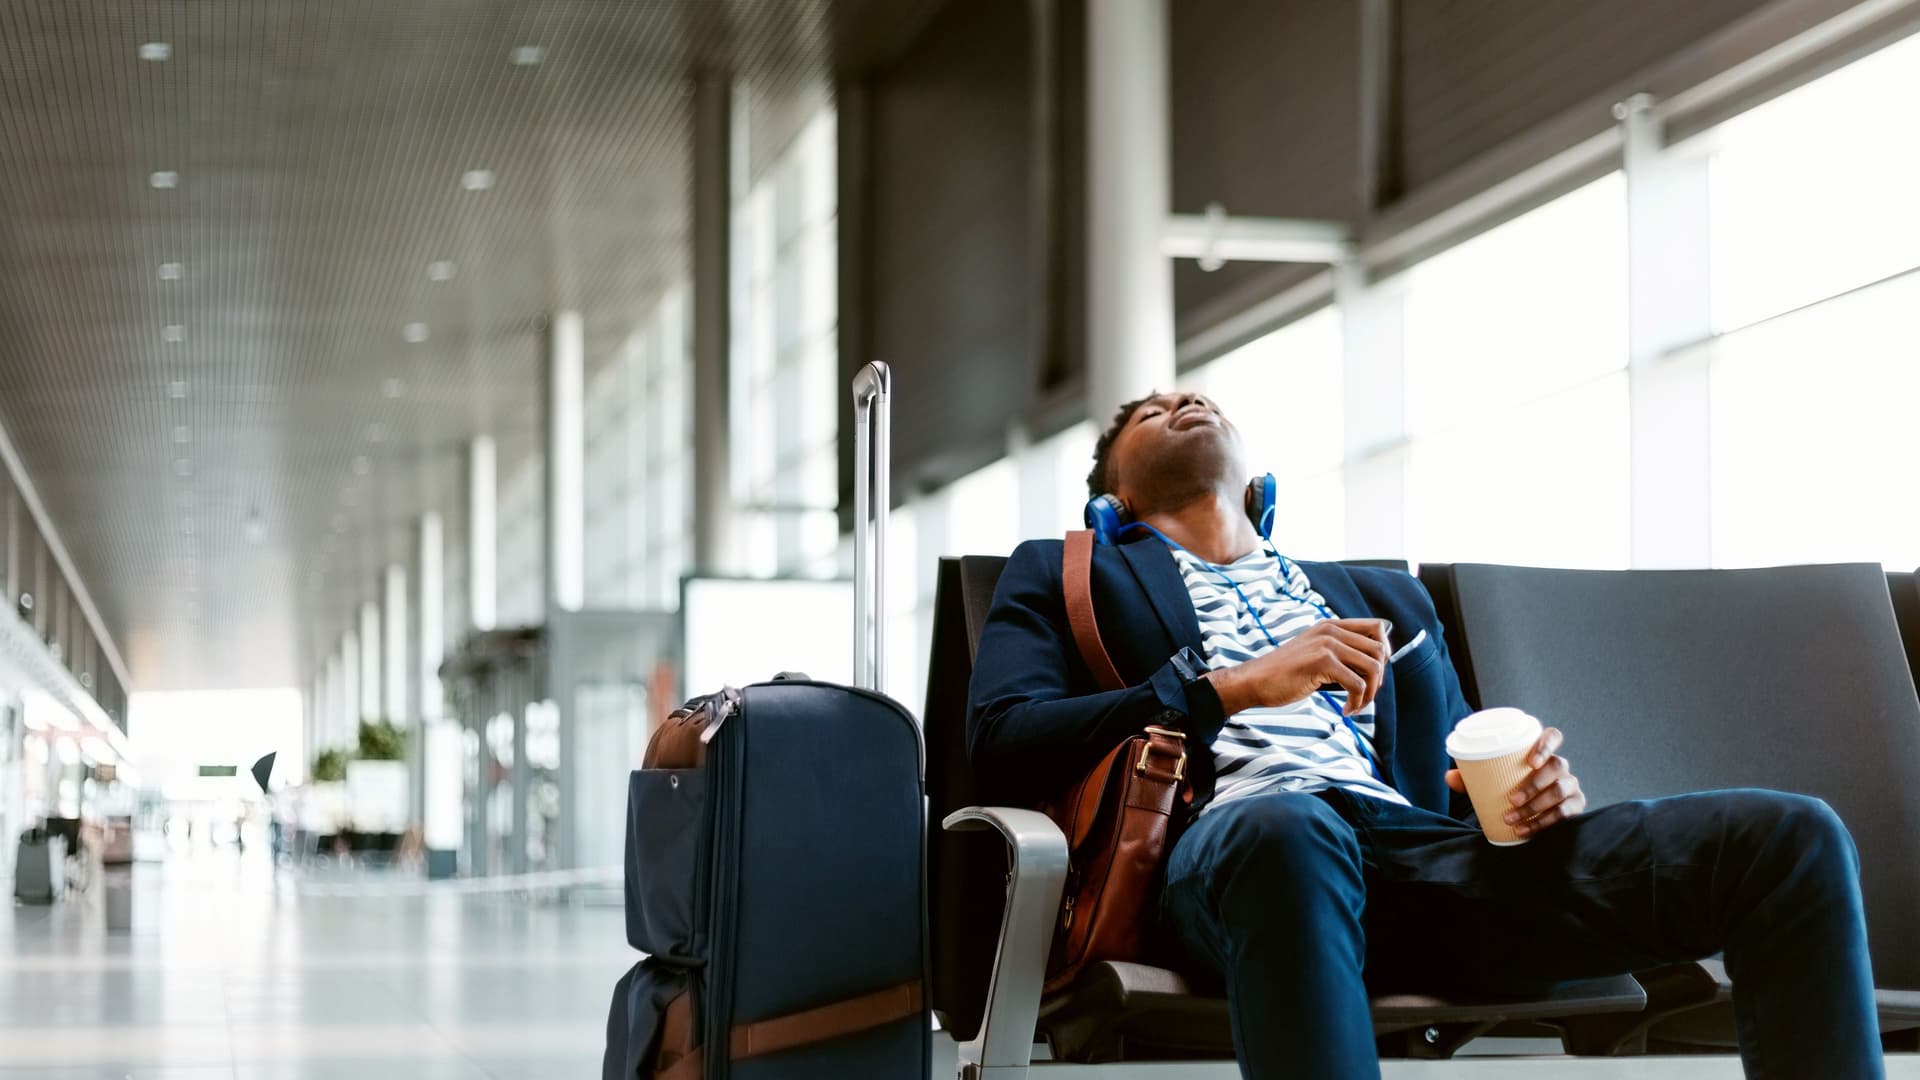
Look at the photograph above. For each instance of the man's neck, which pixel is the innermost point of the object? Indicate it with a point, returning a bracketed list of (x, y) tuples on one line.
[(1212, 527)]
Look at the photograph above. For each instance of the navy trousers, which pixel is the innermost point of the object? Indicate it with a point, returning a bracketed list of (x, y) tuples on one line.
[(1301, 902)]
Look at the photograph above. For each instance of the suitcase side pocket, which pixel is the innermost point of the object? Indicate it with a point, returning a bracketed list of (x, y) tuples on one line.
[(666, 817)]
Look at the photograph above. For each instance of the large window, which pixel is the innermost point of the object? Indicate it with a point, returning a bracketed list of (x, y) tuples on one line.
[(786, 358), (1286, 394), (522, 544), (1812, 382), (639, 509), (1812, 429), (1516, 401), (1813, 192)]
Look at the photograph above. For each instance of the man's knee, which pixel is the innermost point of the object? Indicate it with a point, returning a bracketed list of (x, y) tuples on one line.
[(1285, 843), (1799, 831)]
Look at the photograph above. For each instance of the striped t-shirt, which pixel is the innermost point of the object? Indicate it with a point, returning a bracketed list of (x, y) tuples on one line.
[(1304, 746)]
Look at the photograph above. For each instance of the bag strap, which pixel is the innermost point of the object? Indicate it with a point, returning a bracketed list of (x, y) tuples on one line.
[(779, 1033), (826, 1022), (1077, 576)]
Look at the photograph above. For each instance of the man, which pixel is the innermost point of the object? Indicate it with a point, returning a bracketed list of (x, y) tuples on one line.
[(1324, 853)]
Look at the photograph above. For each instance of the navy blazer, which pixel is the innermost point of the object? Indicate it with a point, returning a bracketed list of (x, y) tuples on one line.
[(1037, 720)]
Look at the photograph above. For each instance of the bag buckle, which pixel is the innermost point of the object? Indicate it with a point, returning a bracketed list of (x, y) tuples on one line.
[(1146, 752)]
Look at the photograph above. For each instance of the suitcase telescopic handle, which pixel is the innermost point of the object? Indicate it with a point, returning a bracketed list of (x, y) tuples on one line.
[(872, 498)]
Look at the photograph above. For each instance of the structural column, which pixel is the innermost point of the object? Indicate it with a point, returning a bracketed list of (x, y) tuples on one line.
[(483, 492), (1669, 305), (370, 686), (394, 665), (566, 463), (713, 190), (350, 695), (437, 788), (1130, 346)]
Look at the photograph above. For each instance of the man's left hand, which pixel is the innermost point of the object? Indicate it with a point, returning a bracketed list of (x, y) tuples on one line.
[(1550, 793)]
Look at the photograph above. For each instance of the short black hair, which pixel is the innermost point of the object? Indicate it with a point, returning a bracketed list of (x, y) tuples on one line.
[(1097, 480)]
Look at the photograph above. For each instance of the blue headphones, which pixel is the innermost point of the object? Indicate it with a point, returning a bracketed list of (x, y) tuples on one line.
[(1107, 516)]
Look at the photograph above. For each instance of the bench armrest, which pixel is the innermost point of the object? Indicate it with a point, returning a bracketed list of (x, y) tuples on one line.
[(1003, 1048)]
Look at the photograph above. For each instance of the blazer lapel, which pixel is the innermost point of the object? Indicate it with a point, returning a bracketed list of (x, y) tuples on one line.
[(1153, 566)]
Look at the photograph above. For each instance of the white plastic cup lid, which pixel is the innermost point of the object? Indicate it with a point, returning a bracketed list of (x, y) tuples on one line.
[(1492, 733)]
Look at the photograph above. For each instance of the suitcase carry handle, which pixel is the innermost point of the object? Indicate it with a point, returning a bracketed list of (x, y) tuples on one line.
[(872, 499)]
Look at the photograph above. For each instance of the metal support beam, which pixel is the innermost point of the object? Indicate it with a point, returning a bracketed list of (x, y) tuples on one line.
[(1214, 238), (713, 189), (13, 510), (1130, 346), (566, 462), (1382, 181), (483, 494)]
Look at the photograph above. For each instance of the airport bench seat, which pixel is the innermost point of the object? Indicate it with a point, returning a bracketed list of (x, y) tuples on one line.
[(1669, 681), (997, 874)]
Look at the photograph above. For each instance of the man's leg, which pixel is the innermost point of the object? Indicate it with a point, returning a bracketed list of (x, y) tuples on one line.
[(1267, 892), (1770, 879)]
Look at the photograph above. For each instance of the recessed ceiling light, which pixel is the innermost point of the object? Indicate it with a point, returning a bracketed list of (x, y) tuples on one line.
[(361, 465), (528, 55), (177, 389), (173, 333), (376, 432), (165, 180), (183, 466), (183, 434), (477, 179), (392, 388), (414, 332), (156, 51), (171, 271), (440, 270)]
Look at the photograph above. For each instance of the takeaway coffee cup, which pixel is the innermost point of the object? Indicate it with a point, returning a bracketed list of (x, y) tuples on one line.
[(1490, 748)]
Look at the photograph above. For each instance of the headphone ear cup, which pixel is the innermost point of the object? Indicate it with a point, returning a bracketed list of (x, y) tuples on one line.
[(1106, 516), (1263, 496)]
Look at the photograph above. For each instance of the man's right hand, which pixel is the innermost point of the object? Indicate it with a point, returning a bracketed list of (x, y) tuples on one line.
[(1350, 653)]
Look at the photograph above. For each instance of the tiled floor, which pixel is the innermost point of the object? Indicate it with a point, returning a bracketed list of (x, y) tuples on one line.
[(231, 972)]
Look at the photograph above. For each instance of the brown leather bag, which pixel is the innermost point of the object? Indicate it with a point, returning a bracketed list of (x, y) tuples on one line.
[(1119, 819)]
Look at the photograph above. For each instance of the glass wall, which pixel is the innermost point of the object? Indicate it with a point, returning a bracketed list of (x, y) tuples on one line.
[(1285, 392), (1516, 397), (639, 506), (1815, 257), (1514, 442), (786, 359)]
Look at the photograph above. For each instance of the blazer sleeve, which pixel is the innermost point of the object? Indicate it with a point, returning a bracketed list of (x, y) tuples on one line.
[(1035, 723)]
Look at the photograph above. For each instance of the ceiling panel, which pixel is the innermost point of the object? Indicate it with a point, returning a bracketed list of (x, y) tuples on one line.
[(319, 152)]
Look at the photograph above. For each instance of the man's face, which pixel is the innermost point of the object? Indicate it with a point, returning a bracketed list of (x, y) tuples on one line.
[(1175, 448)]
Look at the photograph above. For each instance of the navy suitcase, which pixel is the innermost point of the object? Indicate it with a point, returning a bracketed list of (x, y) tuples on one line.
[(778, 886)]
